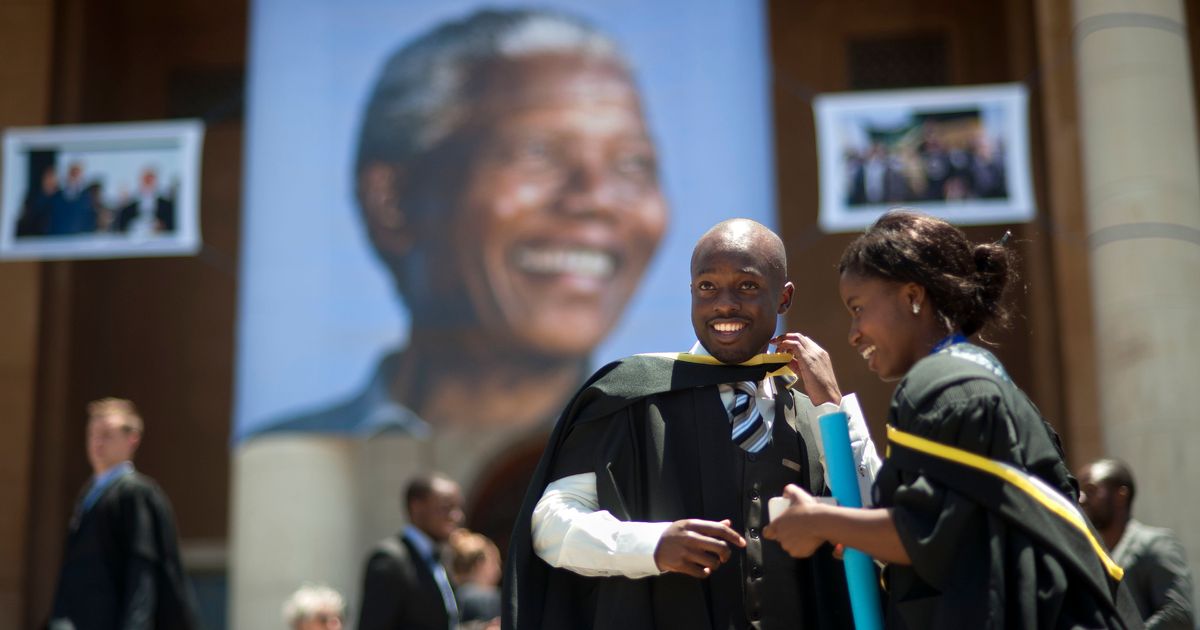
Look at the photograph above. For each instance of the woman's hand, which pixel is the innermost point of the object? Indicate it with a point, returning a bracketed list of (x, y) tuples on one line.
[(795, 529), (811, 363)]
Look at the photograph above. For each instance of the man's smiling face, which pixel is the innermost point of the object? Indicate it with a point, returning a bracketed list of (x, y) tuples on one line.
[(736, 296)]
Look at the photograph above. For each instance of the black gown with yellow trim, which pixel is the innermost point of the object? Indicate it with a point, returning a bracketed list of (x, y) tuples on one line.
[(987, 552), (653, 430)]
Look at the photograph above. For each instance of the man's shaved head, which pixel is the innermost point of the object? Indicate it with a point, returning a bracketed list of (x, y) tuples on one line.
[(739, 288), (745, 235)]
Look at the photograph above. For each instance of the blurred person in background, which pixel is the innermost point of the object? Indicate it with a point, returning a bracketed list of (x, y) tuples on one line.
[(475, 569), (405, 584), (121, 566), (314, 607), (1155, 568)]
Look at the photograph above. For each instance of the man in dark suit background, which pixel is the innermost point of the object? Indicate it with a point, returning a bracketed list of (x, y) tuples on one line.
[(121, 566), (405, 583)]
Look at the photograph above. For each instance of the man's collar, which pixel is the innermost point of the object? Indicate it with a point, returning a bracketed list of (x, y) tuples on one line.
[(419, 539), (786, 373), (699, 350), (114, 472)]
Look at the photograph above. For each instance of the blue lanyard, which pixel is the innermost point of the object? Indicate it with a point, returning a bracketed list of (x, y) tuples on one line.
[(948, 341)]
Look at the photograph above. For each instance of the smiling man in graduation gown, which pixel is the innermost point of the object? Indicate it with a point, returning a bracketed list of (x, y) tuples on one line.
[(647, 507)]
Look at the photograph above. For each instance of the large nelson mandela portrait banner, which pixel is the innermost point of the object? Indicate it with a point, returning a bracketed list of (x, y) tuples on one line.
[(454, 213)]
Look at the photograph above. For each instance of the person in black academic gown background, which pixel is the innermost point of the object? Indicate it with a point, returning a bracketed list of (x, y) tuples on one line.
[(976, 508), (121, 566)]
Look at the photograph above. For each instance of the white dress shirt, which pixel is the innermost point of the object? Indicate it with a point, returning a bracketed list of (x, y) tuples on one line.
[(570, 531)]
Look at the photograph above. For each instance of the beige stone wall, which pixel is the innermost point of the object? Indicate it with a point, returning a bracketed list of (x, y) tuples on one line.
[(1142, 186)]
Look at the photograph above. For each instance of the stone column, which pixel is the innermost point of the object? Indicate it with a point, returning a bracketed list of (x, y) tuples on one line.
[(1142, 191), (308, 507)]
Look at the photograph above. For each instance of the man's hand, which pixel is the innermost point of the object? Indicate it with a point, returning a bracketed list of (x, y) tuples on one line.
[(695, 547), (793, 529), (811, 363)]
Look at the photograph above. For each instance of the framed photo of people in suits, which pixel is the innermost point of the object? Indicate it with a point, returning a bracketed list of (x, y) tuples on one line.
[(958, 153), (101, 191)]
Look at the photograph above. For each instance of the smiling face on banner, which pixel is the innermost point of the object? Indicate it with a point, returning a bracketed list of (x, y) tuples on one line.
[(516, 171), (535, 220)]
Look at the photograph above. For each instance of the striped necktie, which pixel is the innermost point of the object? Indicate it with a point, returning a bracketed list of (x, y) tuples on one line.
[(750, 429)]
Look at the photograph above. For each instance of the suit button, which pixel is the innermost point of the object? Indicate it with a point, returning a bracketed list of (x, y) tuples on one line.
[(754, 495), (753, 615), (753, 532), (751, 457), (756, 572)]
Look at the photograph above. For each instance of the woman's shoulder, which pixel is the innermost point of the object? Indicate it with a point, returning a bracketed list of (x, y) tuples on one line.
[(959, 367), (964, 397)]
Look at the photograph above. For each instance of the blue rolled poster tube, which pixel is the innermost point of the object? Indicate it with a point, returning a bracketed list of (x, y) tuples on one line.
[(860, 574)]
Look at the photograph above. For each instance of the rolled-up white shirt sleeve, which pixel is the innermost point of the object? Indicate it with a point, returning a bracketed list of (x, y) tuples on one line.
[(866, 458), (571, 532)]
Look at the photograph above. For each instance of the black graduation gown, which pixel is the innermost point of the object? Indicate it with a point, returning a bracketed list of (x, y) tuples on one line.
[(986, 554), (658, 456), (121, 566)]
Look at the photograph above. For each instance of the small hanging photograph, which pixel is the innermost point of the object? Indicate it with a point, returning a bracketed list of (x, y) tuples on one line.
[(960, 153), (101, 191)]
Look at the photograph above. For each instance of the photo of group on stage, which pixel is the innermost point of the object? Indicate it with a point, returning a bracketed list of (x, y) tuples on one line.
[(101, 191), (959, 153), (948, 156)]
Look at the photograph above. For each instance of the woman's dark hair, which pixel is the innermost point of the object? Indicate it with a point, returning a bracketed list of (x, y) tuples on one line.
[(966, 282)]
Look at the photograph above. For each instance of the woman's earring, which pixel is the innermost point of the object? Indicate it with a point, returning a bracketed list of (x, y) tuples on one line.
[(916, 308)]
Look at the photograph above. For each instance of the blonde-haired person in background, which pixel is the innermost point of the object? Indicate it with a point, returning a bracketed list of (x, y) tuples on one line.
[(314, 607), (475, 569)]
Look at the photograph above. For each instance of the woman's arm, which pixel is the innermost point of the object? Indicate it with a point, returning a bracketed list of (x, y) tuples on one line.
[(807, 524)]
